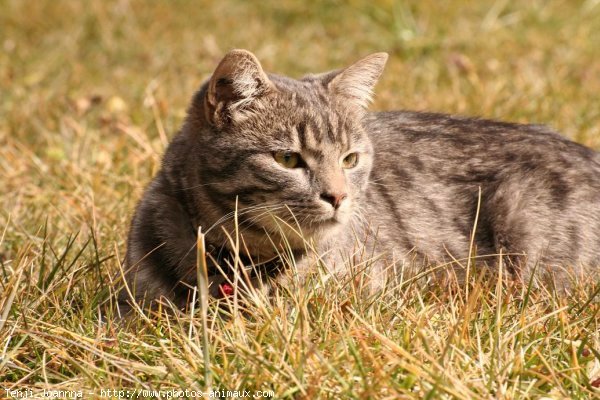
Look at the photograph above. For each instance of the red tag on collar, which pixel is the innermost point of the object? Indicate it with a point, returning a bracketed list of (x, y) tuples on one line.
[(226, 289)]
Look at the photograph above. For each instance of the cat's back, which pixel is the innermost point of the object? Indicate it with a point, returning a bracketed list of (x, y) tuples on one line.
[(451, 143)]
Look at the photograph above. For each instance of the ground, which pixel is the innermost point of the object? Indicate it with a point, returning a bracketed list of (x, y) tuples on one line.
[(91, 94)]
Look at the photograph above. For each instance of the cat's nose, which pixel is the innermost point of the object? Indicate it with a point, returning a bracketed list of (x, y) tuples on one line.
[(335, 199)]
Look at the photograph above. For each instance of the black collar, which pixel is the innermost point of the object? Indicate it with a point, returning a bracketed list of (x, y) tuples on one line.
[(225, 259)]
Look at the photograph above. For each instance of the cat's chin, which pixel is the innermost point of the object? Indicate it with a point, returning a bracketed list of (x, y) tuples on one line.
[(330, 222), (322, 229)]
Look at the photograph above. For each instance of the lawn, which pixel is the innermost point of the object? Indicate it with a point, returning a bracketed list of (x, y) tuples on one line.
[(92, 91)]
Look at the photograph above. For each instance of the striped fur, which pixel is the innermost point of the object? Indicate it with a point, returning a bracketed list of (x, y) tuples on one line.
[(411, 198)]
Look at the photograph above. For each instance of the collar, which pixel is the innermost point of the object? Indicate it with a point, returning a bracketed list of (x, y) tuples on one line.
[(225, 259)]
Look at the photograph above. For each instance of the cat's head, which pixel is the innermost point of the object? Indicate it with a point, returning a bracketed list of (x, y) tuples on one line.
[(295, 151)]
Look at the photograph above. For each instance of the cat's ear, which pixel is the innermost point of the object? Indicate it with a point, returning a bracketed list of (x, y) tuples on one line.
[(356, 83), (238, 81)]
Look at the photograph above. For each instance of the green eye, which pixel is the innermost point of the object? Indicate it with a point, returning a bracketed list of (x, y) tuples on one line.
[(287, 158), (350, 160)]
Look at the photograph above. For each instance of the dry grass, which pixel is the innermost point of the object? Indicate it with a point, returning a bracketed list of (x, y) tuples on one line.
[(91, 92)]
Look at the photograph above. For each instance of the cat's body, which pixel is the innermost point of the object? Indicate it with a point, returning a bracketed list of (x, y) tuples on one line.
[(303, 163), (540, 193)]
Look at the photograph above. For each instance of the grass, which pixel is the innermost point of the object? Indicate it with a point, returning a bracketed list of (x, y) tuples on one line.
[(91, 93)]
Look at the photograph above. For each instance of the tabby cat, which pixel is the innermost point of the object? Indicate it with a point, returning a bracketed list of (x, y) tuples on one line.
[(302, 169)]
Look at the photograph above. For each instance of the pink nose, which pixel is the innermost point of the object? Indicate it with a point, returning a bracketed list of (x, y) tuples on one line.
[(335, 199)]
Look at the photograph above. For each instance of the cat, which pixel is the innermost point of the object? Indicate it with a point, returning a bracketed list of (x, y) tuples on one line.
[(305, 170)]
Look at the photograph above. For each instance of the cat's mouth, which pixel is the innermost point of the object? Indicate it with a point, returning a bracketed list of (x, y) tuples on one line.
[(331, 219)]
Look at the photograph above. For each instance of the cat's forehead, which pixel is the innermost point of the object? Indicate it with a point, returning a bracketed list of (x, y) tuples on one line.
[(321, 128), (307, 92), (309, 99), (318, 116), (302, 114)]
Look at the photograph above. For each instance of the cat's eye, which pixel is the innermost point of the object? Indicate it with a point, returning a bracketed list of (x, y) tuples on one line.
[(350, 160), (288, 159)]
